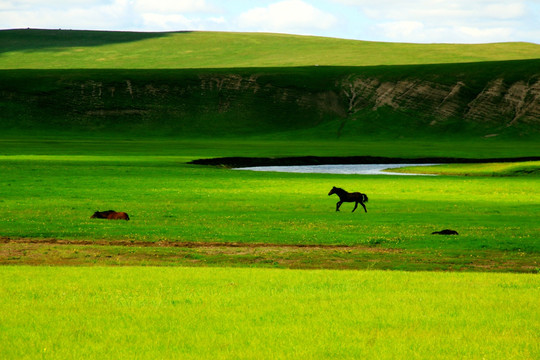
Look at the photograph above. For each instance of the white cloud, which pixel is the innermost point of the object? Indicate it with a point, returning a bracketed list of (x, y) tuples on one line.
[(166, 15), (172, 22), (172, 6), (398, 29), (487, 34), (94, 15), (433, 10), (412, 31), (147, 15), (505, 11), (26, 4), (163, 21), (443, 20), (386, 20), (286, 16)]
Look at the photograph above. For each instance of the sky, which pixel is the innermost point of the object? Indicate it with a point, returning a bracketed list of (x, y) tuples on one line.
[(418, 21)]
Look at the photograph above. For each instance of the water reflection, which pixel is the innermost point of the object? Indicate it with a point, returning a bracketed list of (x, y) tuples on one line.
[(369, 169)]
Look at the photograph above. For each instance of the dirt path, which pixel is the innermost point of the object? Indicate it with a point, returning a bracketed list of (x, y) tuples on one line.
[(184, 244), (62, 252)]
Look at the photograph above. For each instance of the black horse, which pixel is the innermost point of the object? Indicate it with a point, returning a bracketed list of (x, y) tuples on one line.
[(445, 232), (344, 196)]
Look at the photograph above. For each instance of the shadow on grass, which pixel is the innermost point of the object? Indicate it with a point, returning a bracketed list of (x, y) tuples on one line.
[(37, 39)]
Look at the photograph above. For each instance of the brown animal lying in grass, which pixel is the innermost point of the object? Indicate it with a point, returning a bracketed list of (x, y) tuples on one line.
[(110, 214)]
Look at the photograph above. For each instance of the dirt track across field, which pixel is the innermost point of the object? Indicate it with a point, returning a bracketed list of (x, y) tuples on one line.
[(62, 252), (182, 244)]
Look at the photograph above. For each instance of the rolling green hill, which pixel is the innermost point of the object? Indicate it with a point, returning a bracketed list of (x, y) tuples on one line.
[(207, 84), (64, 49)]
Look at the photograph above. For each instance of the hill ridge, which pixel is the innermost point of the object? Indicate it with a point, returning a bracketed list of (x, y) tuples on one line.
[(63, 49)]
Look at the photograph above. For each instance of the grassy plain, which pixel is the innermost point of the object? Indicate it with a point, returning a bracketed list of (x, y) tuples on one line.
[(171, 313), (48, 197)]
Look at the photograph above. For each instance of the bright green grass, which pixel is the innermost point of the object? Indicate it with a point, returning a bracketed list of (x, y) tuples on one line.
[(172, 313), (53, 49), (527, 168), (53, 197)]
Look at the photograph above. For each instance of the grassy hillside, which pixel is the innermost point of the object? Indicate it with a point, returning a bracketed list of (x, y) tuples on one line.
[(64, 49), (216, 85), (415, 101)]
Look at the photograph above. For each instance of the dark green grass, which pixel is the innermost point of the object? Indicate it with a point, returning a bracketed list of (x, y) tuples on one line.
[(299, 103), (108, 146), (286, 103)]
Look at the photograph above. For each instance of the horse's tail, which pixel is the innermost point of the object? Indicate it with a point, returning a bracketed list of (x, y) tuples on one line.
[(364, 198)]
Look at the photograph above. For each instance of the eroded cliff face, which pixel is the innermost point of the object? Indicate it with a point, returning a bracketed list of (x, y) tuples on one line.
[(499, 103), (258, 102), (509, 102)]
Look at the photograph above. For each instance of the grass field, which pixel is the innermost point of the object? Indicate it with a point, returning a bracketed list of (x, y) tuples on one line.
[(49, 197), (529, 168), (225, 264), (171, 313), (27, 49), (184, 309), (169, 201)]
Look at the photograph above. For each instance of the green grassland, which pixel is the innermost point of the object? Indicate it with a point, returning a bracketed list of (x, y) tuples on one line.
[(99, 120), (171, 313), (61, 49), (78, 137), (528, 168), (95, 120), (170, 201)]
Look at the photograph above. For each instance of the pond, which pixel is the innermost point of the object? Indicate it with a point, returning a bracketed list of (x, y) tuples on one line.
[(356, 169)]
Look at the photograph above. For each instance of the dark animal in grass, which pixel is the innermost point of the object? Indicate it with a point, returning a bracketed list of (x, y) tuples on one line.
[(445, 232), (110, 214), (344, 196)]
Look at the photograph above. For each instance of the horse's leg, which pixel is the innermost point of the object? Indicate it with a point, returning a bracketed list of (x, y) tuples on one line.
[(363, 206), (355, 206), (338, 205)]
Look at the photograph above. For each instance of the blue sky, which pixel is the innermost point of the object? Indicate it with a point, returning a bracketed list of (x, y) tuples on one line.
[(423, 21)]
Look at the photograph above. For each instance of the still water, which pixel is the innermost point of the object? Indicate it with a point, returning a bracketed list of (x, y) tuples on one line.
[(370, 169)]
